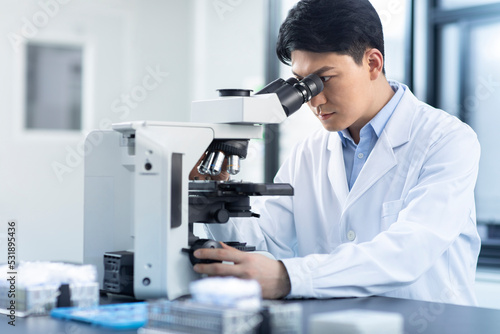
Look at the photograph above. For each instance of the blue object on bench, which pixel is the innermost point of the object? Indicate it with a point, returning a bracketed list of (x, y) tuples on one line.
[(115, 316)]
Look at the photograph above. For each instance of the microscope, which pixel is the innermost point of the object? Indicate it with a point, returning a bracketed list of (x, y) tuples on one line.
[(139, 204)]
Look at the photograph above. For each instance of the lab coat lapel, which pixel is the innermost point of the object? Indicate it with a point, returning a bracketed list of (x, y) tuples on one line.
[(380, 161), (336, 169), (382, 158)]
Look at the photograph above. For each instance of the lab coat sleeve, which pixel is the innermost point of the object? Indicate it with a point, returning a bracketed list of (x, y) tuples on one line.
[(432, 217)]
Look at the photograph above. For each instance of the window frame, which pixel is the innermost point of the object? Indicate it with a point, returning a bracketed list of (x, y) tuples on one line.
[(467, 18)]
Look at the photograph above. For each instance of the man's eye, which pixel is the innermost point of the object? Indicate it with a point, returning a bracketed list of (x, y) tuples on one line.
[(325, 79)]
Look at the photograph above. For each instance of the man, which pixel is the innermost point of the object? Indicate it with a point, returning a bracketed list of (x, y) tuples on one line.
[(384, 194)]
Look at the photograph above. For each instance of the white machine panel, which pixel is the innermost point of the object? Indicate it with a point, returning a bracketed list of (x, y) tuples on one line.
[(255, 109)]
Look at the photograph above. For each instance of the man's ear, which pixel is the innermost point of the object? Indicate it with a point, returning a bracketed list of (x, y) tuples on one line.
[(375, 61)]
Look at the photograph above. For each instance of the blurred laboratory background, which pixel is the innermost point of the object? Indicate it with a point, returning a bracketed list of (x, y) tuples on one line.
[(70, 66)]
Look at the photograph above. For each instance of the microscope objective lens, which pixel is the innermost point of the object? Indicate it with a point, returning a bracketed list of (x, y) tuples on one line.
[(218, 160), (233, 164), (204, 167)]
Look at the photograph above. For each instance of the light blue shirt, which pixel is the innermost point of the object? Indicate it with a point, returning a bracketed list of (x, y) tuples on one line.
[(355, 156)]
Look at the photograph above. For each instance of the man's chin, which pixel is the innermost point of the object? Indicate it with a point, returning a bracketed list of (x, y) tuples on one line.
[(331, 127)]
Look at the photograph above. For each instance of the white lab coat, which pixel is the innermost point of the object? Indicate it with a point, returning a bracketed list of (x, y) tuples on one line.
[(406, 229)]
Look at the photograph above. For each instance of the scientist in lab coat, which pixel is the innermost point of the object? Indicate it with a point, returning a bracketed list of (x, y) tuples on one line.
[(384, 193)]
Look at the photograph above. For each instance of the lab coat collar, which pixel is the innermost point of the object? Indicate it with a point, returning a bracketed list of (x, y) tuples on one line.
[(382, 159), (398, 128), (336, 168), (397, 132)]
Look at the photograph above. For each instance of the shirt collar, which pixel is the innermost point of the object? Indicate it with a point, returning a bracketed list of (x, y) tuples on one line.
[(344, 136), (378, 122), (382, 117)]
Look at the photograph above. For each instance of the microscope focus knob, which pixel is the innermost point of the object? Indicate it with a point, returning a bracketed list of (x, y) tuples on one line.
[(202, 243), (221, 216)]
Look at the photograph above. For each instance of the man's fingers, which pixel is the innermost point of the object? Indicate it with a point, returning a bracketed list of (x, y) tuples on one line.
[(227, 253), (216, 269), (227, 246)]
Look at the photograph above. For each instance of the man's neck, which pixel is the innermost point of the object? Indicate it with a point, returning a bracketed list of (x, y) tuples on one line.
[(383, 95)]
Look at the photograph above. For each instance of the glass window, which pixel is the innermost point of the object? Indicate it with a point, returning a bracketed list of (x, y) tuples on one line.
[(481, 103), (53, 87), (393, 14), (449, 70), (453, 4)]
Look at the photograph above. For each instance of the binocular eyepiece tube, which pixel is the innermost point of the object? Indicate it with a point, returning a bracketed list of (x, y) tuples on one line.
[(292, 93)]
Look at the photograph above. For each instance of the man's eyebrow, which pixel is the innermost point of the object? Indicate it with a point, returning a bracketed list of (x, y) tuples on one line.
[(317, 72)]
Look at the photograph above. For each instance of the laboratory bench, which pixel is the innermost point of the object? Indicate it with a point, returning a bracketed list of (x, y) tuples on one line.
[(419, 317)]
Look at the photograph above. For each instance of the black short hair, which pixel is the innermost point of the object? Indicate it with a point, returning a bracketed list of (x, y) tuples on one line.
[(348, 27)]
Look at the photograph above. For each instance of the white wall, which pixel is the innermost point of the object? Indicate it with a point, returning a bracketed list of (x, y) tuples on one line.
[(228, 45), (229, 52), (123, 40)]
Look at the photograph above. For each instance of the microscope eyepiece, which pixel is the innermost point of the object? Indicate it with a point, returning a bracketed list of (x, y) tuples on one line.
[(292, 93), (312, 84)]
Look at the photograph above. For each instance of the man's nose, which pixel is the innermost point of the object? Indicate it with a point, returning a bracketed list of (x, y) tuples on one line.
[(318, 100)]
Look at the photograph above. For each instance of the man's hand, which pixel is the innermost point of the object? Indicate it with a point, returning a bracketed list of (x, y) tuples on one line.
[(271, 274)]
